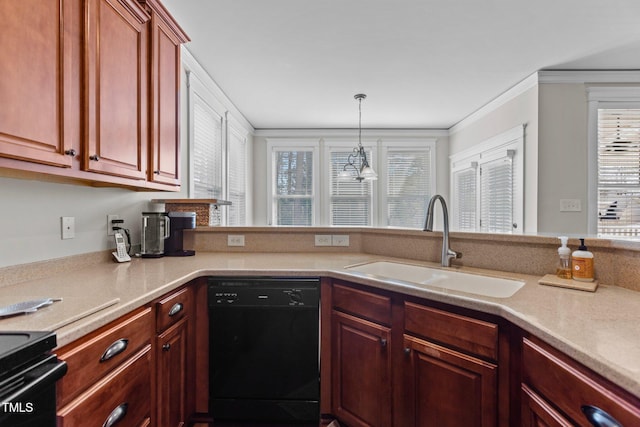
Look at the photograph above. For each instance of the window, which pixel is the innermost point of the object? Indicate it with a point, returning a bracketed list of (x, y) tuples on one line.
[(206, 146), (292, 171), (487, 185), (237, 194), (614, 161), (304, 189), (218, 146), (619, 172), (409, 176), (350, 202)]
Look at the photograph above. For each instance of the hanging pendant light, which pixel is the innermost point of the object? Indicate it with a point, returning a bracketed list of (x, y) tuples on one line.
[(357, 161)]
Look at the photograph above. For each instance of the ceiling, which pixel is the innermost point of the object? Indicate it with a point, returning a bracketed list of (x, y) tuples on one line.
[(424, 64)]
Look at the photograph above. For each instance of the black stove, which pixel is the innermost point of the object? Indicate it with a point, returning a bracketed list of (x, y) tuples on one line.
[(28, 375)]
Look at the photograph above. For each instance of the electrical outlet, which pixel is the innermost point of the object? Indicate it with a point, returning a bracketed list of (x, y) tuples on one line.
[(235, 240), (323, 240), (68, 227), (340, 240), (570, 205), (110, 225)]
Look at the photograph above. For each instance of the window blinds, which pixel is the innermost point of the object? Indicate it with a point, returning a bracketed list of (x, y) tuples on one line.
[(293, 188), (207, 150), (350, 201), (496, 195), (408, 187), (464, 182), (619, 172)]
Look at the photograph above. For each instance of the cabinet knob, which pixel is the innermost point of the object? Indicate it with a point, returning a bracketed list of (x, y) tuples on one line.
[(156, 172), (166, 347), (94, 157), (116, 415), (599, 418), (407, 350), (114, 349), (71, 152), (383, 342)]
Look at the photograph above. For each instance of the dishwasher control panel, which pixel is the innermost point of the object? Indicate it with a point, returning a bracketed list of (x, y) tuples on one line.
[(265, 292)]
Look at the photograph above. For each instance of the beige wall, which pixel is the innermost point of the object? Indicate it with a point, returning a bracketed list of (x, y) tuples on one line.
[(562, 157)]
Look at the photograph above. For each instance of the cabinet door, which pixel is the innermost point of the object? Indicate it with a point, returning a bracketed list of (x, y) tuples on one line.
[(445, 388), (36, 112), (361, 371), (165, 129), (536, 412), (172, 367), (116, 88)]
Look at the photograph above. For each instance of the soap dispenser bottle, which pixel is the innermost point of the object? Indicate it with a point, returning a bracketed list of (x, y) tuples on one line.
[(582, 264), (563, 270)]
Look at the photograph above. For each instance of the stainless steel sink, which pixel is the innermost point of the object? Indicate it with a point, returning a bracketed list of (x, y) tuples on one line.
[(424, 277)]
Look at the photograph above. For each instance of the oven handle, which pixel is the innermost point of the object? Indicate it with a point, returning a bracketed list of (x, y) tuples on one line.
[(38, 378)]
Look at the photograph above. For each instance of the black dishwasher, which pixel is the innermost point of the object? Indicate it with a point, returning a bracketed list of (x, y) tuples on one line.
[(264, 349)]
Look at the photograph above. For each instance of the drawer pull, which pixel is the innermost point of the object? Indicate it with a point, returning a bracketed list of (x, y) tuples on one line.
[(114, 349), (116, 415), (177, 308), (599, 418)]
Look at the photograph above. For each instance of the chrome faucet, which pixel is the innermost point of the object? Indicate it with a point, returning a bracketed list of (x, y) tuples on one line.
[(447, 253)]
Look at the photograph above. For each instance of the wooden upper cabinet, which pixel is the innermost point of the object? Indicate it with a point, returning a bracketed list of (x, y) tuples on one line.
[(164, 147), (36, 109), (116, 88)]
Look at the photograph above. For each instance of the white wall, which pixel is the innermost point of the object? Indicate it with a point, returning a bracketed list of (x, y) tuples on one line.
[(519, 110)]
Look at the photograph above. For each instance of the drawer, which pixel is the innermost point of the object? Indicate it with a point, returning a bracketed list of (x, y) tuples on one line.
[(90, 359), (125, 393), (362, 303), (465, 333), (569, 386), (172, 308)]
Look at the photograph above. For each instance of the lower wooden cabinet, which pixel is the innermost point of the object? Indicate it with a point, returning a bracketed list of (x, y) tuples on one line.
[(171, 360), (558, 391), (444, 387), (361, 371), (123, 397), (400, 363)]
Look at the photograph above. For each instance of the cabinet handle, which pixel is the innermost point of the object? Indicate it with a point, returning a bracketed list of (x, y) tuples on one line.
[(70, 152), (383, 342), (166, 347), (177, 308), (114, 349), (94, 157), (116, 415), (599, 418), (156, 172), (407, 350)]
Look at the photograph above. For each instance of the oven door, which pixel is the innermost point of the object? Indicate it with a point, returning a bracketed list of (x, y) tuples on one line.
[(28, 394)]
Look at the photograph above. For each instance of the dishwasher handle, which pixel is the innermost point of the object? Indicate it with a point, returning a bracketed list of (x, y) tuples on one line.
[(38, 378)]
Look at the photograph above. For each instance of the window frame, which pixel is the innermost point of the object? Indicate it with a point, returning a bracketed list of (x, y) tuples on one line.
[(291, 144), (602, 97), (503, 145)]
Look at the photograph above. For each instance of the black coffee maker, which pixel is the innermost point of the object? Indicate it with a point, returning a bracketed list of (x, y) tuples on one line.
[(179, 221)]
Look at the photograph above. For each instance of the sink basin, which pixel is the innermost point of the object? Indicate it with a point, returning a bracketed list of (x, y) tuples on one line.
[(439, 278)]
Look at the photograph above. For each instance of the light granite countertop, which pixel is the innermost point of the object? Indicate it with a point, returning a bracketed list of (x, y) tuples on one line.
[(600, 330)]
